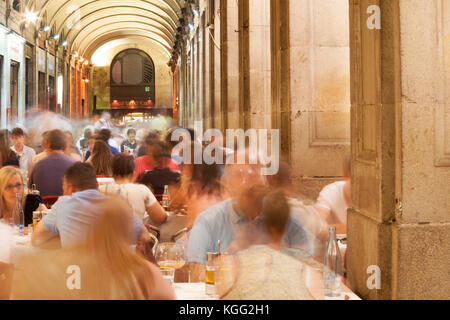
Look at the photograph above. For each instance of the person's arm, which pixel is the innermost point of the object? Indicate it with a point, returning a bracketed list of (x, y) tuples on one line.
[(43, 239), (157, 213)]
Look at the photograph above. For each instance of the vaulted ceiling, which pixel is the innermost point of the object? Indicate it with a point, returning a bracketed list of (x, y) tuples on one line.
[(88, 24)]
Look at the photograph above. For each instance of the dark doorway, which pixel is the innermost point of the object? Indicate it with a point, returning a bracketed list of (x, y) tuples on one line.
[(51, 94), (14, 89), (41, 94)]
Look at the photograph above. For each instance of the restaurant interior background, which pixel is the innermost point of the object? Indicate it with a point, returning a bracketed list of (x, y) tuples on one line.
[(324, 72)]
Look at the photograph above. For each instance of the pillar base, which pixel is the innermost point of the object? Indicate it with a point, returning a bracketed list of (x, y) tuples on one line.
[(414, 258)]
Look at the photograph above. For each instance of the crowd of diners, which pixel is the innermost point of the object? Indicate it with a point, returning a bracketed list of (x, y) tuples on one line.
[(108, 195)]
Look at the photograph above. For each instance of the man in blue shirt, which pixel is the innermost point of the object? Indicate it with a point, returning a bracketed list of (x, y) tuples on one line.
[(236, 220), (74, 215)]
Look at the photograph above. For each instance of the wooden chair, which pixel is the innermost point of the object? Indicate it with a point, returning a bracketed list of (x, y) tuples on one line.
[(49, 201)]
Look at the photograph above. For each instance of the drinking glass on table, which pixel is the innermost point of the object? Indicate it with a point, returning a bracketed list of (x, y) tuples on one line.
[(170, 257)]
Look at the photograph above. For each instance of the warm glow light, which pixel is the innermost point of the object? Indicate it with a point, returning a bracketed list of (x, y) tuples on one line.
[(31, 16), (75, 54), (81, 59), (59, 90), (86, 62)]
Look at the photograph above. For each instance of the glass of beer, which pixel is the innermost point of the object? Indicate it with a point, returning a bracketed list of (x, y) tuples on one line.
[(170, 257), (37, 216), (211, 270)]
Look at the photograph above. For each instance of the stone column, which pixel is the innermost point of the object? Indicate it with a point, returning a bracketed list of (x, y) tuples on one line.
[(217, 66), (399, 219), (260, 64), (232, 64), (320, 91)]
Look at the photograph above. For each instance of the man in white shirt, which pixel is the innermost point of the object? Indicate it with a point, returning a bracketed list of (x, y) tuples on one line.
[(334, 200), (25, 154)]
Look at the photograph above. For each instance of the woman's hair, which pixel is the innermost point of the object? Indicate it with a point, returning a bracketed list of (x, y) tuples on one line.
[(108, 266), (7, 173), (127, 272), (102, 158), (123, 165), (205, 179), (5, 146)]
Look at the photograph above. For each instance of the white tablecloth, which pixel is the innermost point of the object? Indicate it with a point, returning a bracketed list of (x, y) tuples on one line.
[(196, 291)]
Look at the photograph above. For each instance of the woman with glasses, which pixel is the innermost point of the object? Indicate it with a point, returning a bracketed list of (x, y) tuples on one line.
[(11, 183)]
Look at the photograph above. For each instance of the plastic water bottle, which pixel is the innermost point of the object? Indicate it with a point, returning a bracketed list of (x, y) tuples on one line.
[(332, 267), (18, 216)]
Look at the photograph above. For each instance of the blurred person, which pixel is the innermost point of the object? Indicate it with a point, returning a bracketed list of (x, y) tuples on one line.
[(47, 174), (7, 156), (103, 122), (45, 150), (262, 271), (110, 268), (11, 183), (202, 191), (71, 151), (83, 143), (6, 239), (154, 159), (307, 215), (139, 197), (130, 144), (104, 135), (235, 216), (101, 159), (25, 153), (142, 148), (74, 215), (334, 200)]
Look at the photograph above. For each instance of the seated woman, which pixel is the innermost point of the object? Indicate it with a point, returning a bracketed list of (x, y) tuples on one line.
[(139, 197), (101, 159), (11, 183), (107, 265), (262, 272)]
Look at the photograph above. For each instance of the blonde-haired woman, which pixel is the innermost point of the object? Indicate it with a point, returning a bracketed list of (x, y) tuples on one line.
[(107, 266), (11, 183)]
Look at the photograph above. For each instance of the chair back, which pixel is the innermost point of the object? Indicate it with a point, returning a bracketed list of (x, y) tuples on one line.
[(49, 201)]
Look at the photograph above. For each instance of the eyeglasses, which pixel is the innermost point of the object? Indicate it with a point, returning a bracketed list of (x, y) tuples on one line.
[(16, 186)]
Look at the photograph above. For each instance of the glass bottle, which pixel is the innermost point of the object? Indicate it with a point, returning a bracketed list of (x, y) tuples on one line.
[(165, 198), (332, 267), (18, 215)]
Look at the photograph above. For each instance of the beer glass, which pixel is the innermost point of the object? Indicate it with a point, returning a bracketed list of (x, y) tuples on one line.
[(211, 269), (170, 257)]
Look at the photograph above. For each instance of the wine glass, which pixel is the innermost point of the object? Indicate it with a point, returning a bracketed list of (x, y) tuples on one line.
[(170, 257)]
